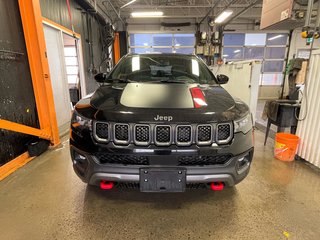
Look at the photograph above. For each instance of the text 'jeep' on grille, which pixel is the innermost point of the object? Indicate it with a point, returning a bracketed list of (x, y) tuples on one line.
[(161, 122)]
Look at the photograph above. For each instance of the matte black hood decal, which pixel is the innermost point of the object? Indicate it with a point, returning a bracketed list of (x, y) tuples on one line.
[(153, 95), (108, 104)]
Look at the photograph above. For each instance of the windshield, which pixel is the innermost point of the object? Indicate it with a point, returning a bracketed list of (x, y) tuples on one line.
[(162, 68)]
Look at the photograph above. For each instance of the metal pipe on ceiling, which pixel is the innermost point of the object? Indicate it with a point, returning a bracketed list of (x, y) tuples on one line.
[(242, 12), (114, 9), (309, 12), (318, 16), (215, 4), (227, 6)]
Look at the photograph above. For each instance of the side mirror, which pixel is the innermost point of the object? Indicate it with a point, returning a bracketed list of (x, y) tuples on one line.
[(100, 77), (222, 79)]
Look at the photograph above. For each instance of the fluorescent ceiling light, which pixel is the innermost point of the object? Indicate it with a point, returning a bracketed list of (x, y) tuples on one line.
[(145, 44), (127, 4), (275, 37), (236, 51), (223, 16), (146, 14), (225, 55)]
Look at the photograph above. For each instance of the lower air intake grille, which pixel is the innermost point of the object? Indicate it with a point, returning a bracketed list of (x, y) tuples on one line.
[(163, 135), (184, 134), (204, 134), (105, 158), (121, 133), (203, 160), (224, 132), (102, 130)]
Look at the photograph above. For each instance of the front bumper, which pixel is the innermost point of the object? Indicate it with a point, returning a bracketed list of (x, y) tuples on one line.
[(91, 172), (227, 173)]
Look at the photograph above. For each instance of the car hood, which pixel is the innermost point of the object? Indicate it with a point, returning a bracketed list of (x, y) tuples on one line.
[(159, 95), (143, 102)]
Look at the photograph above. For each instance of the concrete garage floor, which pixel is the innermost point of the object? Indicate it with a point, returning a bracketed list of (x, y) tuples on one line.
[(45, 200)]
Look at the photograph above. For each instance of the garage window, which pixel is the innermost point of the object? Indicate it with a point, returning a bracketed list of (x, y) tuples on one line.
[(72, 66), (271, 48), (162, 43)]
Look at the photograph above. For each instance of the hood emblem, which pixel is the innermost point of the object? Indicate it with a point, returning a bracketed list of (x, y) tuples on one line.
[(163, 118)]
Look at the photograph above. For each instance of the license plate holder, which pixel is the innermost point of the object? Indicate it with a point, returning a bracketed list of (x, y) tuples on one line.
[(162, 179)]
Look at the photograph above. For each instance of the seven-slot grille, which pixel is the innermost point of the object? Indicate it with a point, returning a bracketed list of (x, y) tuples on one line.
[(102, 131), (163, 135), (184, 135), (142, 134), (121, 133), (223, 132), (204, 134)]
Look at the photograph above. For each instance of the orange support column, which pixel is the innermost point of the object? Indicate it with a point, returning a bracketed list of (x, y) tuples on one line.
[(36, 48), (116, 48)]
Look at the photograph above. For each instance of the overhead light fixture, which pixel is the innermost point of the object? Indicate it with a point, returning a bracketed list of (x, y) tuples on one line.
[(127, 4), (223, 16), (236, 51), (146, 14), (275, 37)]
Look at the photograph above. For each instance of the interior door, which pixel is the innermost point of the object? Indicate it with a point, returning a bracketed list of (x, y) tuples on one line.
[(55, 54)]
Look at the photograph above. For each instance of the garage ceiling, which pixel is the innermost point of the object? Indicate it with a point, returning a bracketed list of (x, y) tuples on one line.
[(196, 9)]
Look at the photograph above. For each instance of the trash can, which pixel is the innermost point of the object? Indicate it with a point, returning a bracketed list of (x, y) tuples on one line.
[(285, 146)]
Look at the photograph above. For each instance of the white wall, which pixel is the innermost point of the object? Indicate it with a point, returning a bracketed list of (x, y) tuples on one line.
[(297, 42)]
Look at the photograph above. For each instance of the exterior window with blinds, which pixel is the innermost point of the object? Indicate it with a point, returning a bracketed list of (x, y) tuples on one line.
[(270, 48), (162, 43)]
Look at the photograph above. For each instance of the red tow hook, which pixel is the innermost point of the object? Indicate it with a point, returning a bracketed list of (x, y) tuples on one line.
[(217, 186), (106, 185)]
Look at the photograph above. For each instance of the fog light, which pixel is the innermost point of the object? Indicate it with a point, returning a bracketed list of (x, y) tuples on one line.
[(80, 163), (79, 156), (243, 164)]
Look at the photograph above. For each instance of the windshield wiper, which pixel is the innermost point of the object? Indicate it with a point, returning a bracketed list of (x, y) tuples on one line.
[(120, 80), (172, 81)]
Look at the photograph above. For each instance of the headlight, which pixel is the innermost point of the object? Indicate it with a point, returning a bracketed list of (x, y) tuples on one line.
[(80, 122), (244, 124)]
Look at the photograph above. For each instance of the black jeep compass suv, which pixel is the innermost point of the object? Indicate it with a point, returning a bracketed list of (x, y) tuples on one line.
[(163, 123)]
